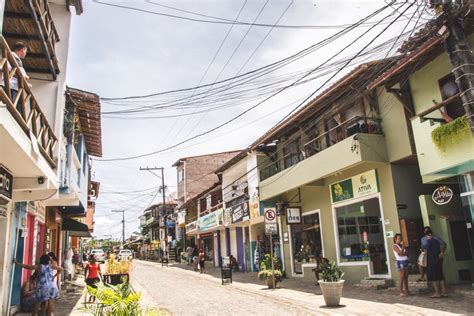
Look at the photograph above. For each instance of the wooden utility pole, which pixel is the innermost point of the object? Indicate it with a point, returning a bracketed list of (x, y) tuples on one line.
[(163, 190), (123, 224), (453, 15)]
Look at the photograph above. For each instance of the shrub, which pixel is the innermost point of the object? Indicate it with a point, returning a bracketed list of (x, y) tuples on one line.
[(114, 300), (451, 133), (266, 268), (330, 272)]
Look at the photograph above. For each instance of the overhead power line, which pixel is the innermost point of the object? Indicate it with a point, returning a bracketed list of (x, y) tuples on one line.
[(259, 103), (224, 21)]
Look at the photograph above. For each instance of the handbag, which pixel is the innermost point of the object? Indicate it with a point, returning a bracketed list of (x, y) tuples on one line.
[(199, 266), (422, 260)]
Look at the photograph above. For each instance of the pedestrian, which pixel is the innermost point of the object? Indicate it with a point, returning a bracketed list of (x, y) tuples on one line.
[(19, 52), (46, 289), (170, 241), (189, 252), (68, 265), (434, 250), (93, 275), (54, 261), (402, 263), (202, 258)]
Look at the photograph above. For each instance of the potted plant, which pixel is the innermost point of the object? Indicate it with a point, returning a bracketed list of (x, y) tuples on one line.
[(331, 283), (267, 273)]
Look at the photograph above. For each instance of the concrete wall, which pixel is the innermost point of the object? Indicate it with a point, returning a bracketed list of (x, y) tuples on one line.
[(439, 223), (394, 126), (318, 198)]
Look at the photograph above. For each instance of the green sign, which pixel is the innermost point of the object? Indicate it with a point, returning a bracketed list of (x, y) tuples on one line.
[(341, 191), (355, 187)]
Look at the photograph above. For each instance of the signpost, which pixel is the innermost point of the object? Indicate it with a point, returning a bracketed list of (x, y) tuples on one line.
[(270, 216)]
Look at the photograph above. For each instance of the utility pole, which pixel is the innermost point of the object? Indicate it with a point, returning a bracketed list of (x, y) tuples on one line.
[(453, 14), (123, 224), (163, 190)]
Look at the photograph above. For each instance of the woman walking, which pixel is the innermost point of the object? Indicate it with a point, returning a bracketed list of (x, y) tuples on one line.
[(46, 289), (93, 275), (202, 259), (402, 263)]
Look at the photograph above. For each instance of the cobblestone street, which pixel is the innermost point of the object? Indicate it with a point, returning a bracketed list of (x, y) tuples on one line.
[(185, 292)]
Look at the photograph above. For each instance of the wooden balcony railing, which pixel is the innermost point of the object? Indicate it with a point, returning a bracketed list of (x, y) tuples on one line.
[(25, 108), (48, 28), (212, 209)]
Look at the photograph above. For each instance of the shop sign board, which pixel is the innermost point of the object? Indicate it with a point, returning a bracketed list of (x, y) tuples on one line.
[(227, 216), (240, 213), (191, 226), (293, 215), (255, 207), (181, 217), (37, 209), (442, 195), (6, 184), (270, 217), (355, 187), (210, 221)]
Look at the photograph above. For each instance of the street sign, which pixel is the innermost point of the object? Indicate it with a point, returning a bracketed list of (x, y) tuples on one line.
[(270, 221)]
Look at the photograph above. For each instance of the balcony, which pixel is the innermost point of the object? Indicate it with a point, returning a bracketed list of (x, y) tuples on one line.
[(32, 23), (456, 157), (27, 139), (351, 151)]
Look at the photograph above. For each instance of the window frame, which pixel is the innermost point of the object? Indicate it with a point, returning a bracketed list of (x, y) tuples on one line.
[(377, 195)]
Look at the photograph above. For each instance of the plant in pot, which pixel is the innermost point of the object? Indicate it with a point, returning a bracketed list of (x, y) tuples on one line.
[(267, 273), (331, 283)]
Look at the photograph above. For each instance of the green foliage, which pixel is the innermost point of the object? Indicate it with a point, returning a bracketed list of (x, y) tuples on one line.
[(266, 274), (116, 300), (330, 272), (451, 133), (300, 255), (266, 268)]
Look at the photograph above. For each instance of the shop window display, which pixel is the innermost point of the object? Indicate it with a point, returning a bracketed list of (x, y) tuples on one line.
[(360, 234), (306, 241)]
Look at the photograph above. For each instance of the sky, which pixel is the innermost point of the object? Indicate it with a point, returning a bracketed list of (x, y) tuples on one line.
[(120, 52)]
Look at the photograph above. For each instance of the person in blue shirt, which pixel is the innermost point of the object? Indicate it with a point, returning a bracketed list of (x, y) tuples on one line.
[(434, 248)]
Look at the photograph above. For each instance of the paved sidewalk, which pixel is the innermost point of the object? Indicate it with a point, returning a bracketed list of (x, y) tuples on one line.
[(356, 301)]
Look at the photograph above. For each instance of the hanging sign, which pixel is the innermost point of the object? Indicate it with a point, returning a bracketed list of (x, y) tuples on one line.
[(6, 184), (227, 216), (355, 187), (210, 221), (270, 217), (181, 218), (442, 195), (293, 215)]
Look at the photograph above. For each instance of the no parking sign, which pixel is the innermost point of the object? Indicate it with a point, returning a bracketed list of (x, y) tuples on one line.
[(270, 221)]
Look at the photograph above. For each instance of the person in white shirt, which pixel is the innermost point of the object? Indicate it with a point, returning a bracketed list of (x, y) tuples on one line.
[(19, 52), (402, 263)]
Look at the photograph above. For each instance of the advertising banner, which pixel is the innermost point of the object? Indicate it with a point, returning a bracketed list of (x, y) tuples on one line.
[(210, 221), (355, 187), (240, 213)]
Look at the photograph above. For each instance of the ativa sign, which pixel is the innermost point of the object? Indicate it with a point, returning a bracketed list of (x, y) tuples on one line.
[(442, 195), (6, 183)]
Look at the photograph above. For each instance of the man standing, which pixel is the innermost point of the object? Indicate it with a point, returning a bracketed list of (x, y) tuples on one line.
[(434, 248), (19, 52)]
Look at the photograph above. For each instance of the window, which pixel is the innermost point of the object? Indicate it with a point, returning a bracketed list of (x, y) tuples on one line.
[(360, 234), (291, 153), (306, 241), (180, 175), (449, 88)]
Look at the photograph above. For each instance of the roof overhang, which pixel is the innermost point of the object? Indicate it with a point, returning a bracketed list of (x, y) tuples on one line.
[(75, 228), (87, 105)]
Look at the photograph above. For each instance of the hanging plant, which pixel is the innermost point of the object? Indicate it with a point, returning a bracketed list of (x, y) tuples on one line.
[(451, 133)]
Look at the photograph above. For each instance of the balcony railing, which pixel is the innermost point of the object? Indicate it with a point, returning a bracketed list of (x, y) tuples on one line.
[(25, 108), (47, 27), (212, 209), (354, 125)]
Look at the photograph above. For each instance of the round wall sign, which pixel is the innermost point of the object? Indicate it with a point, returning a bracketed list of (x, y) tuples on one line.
[(442, 195)]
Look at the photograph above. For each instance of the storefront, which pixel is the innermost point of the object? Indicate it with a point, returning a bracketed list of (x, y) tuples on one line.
[(359, 224), (306, 239), (240, 234), (209, 236)]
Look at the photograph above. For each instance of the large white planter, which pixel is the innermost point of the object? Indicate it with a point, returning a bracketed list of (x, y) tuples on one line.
[(332, 292)]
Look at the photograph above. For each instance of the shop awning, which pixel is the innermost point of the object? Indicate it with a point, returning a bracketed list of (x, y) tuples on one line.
[(77, 210), (75, 228)]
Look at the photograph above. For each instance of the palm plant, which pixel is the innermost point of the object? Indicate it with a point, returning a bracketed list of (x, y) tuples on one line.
[(116, 300)]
